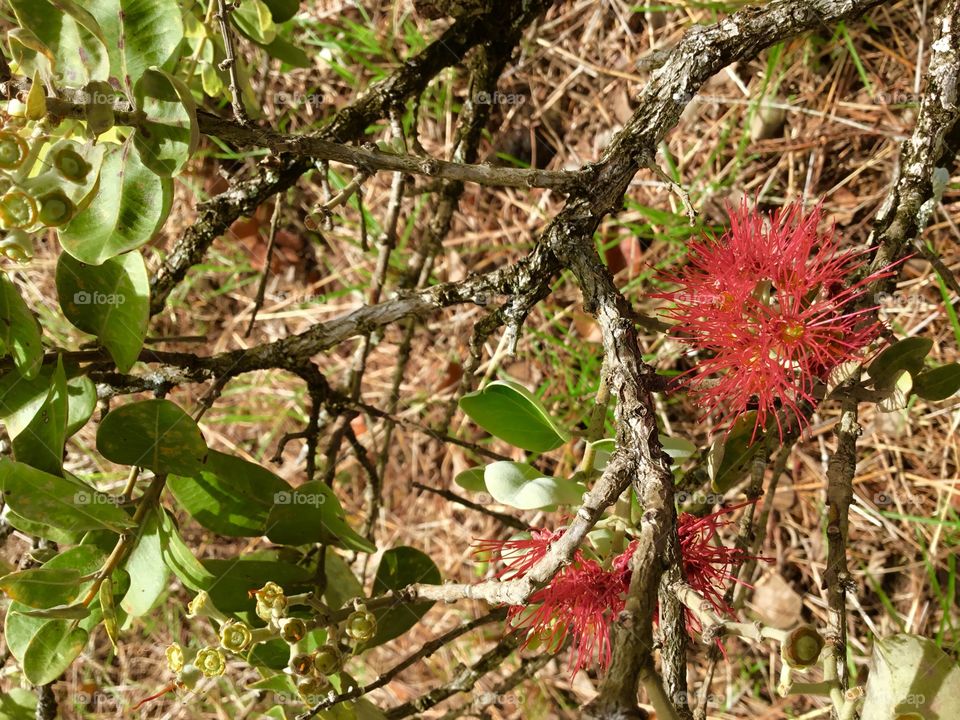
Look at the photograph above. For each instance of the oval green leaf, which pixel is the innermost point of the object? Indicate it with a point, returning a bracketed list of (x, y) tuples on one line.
[(51, 651), (510, 412), (41, 444), (312, 514), (148, 573), (524, 487), (19, 330), (129, 206), (154, 434), (907, 354), (111, 301), (939, 383), (168, 134), (399, 567)]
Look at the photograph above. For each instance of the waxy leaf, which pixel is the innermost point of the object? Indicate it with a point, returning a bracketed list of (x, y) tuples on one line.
[(64, 503), (729, 458), (180, 558), (168, 134), (52, 649), (148, 573), (41, 444), (230, 496), (19, 330), (939, 383), (312, 514), (111, 301), (524, 487), (510, 412), (129, 206), (907, 354), (910, 677), (399, 567), (154, 434)]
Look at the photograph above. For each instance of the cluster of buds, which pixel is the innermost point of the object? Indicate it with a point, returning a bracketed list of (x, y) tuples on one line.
[(33, 201), (310, 669)]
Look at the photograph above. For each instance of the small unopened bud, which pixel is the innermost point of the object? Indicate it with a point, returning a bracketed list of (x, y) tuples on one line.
[(802, 647), (328, 660), (190, 676), (202, 606), (17, 246), (310, 688)]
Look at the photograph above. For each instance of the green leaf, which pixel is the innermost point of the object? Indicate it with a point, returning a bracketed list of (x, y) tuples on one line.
[(471, 479), (230, 496), (399, 567), (41, 444), (111, 301), (180, 559), (312, 514), (61, 612), (679, 449), (72, 35), (524, 487), (128, 208), (254, 19), (510, 412), (939, 383), (907, 354), (19, 330), (910, 677), (43, 587), (729, 458), (287, 52), (81, 402), (898, 395), (148, 573), (603, 450), (140, 34), (51, 651), (342, 584), (65, 503), (154, 434), (169, 134), (236, 577), (18, 704), (282, 10)]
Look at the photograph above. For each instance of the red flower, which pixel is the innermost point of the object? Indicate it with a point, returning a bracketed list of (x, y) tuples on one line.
[(768, 305), (584, 598)]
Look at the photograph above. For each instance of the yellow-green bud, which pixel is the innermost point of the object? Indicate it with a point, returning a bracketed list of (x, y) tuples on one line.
[(301, 664), (235, 636), (311, 687), (17, 245), (202, 606), (328, 660), (293, 630), (17, 210), (175, 658), (190, 676), (56, 209), (71, 165), (211, 662), (361, 625), (271, 602), (13, 150)]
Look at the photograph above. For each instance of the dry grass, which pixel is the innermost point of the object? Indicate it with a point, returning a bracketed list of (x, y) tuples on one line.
[(838, 142)]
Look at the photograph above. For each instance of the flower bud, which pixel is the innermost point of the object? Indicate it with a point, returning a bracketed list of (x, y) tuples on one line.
[(802, 647), (71, 165), (13, 150), (301, 664), (235, 636), (271, 602), (361, 625), (328, 660), (17, 210), (175, 660), (211, 662), (310, 688), (17, 246), (56, 209), (292, 630), (190, 676), (202, 606)]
